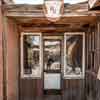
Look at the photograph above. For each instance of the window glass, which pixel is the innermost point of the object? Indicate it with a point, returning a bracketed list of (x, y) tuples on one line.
[(52, 55), (31, 55), (73, 55)]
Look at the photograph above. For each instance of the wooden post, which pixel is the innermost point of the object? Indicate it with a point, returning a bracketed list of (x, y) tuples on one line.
[(1, 53)]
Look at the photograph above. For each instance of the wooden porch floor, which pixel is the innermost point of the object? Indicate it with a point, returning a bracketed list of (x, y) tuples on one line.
[(60, 97)]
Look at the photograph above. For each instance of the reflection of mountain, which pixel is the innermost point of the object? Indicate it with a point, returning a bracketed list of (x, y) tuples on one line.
[(50, 43), (54, 49), (52, 46)]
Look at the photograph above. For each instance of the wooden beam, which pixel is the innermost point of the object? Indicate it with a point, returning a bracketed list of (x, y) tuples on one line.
[(51, 29), (37, 11), (63, 20), (41, 14)]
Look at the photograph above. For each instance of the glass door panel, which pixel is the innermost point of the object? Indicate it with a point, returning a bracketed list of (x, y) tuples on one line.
[(52, 64), (52, 55)]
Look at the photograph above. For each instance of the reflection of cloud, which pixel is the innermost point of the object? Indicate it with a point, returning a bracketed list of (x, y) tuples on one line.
[(35, 40)]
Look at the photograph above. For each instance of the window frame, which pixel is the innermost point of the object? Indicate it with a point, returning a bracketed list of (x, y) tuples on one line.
[(22, 75), (81, 76)]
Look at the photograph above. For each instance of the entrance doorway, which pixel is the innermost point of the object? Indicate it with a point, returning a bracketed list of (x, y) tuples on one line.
[(52, 62)]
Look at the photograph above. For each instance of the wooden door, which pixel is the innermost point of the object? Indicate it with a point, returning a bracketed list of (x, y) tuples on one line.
[(52, 65)]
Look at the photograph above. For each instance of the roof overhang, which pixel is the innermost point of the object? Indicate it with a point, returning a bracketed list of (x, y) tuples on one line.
[(75, 17)]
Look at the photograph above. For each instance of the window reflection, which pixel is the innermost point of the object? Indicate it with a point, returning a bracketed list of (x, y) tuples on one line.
[(31, 55), (74, 49), (52, 55)]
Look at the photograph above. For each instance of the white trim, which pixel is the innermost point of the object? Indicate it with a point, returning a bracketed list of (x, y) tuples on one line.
[(22, 54), (82, 75)]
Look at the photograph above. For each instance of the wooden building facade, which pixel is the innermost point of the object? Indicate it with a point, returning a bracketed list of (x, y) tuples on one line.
[(30, 44)]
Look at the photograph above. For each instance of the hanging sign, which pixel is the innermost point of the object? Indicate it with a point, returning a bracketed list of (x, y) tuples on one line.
[(53, 9), (92, 3)]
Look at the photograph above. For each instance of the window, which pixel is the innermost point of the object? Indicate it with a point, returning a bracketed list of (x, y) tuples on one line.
[(74, 52), (31, 55), (52, 55)]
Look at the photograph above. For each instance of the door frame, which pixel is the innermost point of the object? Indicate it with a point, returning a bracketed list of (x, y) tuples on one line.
[(61, 53)]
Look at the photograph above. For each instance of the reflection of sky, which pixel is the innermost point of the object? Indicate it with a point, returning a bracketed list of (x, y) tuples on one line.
[(41, 1), (36, 40)]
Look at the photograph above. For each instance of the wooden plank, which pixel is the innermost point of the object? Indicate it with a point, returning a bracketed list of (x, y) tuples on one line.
[(41, 14), (33, 10), (69, 22), (50, 29)]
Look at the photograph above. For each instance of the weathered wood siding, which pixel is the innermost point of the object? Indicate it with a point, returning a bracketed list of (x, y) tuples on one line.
[(1, 55)]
